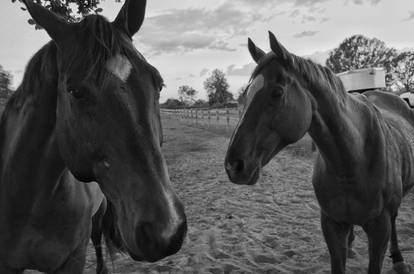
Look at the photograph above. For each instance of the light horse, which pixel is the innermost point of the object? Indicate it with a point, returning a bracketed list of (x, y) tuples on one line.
[(87, 110), (365, 162)]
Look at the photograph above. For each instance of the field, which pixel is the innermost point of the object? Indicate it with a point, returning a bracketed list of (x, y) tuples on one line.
[(272, 227)]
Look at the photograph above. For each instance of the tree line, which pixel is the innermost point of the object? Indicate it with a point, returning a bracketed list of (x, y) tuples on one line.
[(217, 89)]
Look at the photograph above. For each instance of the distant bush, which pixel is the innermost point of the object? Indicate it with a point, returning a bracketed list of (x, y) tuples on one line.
[(200, 104), (173, 104)]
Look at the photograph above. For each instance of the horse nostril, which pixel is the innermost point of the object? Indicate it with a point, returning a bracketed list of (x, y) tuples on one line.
[(235, 165), (239, 165)]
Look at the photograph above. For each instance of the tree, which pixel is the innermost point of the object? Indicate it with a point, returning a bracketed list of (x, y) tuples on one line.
[(71, 10), (5, 82), (358, 52), (217, 88), (186, 93), (402, 71)]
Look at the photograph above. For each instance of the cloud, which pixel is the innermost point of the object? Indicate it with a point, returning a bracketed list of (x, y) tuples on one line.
[(204, 71), (361, 2), (181, 30), (296, 3), (308, 18), (410, 15), (306, 33), (245, 70), (294, 13)]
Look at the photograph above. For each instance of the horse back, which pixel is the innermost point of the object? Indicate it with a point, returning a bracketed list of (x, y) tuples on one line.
[(393, 104), (399, 121)]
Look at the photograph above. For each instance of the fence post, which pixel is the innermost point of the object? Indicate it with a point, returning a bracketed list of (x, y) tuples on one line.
[(228, 117)]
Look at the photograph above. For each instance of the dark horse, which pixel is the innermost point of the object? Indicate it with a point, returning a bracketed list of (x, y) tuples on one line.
[(87, 110), (365, 163)]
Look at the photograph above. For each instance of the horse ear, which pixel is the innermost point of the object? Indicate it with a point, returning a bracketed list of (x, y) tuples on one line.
[(131, 16), (278, 49), (54, 25), (255, 52)]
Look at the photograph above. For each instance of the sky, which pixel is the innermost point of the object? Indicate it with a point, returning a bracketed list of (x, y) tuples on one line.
[(187, 39)]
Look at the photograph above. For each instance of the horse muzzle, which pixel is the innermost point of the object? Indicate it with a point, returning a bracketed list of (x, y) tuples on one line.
[(241, 173)]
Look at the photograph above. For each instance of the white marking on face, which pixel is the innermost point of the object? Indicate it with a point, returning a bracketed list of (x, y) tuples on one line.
[(119, 66), (256, 85)]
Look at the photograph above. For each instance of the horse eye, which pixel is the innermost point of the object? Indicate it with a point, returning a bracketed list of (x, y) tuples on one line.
[(76, 93), (277, 93)]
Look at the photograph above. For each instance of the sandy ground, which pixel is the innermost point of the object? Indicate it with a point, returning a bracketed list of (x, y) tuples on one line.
[(272, 227)]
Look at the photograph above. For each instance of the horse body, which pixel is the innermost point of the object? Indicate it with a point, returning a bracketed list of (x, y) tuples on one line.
[(87, 111), (45, 213), (370, 164), (365, 142)]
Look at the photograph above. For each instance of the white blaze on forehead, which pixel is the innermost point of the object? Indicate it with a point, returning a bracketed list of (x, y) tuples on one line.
[(119, 66), (256, 85)]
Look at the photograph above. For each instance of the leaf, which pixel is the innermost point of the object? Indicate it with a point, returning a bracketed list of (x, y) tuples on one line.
[(23, 8)]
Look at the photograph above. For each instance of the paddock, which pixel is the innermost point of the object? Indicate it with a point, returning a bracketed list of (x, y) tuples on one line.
[(271, 227)]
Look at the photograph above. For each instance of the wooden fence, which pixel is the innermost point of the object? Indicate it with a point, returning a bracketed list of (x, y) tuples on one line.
[(224, 121), (213, 119)]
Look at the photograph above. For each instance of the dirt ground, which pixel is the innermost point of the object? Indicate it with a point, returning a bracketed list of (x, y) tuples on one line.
[(272, 227)]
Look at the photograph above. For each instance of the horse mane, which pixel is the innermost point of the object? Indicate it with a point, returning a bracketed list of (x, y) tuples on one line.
[(317, 77), (104, 41), (40, 75)]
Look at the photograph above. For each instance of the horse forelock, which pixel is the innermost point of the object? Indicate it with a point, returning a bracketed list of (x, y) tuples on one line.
[(103, 48)]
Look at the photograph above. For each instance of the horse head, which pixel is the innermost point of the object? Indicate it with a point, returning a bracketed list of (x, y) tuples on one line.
[(108, 125), (277, 112)]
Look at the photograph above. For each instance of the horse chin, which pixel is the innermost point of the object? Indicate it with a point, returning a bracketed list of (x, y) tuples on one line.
[(135, 257), (255, 177), (266, 159)]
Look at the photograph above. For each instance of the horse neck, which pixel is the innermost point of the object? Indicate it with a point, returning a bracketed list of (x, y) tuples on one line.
[(340, 123), (30, 161)]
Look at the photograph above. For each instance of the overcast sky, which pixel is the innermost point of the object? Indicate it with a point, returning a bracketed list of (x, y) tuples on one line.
[(187, 39)]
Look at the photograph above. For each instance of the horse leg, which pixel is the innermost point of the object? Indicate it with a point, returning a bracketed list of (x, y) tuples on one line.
[(75, 263), (397, 260), (336, 235), (378, 231), (351, 238), (96, 237)]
